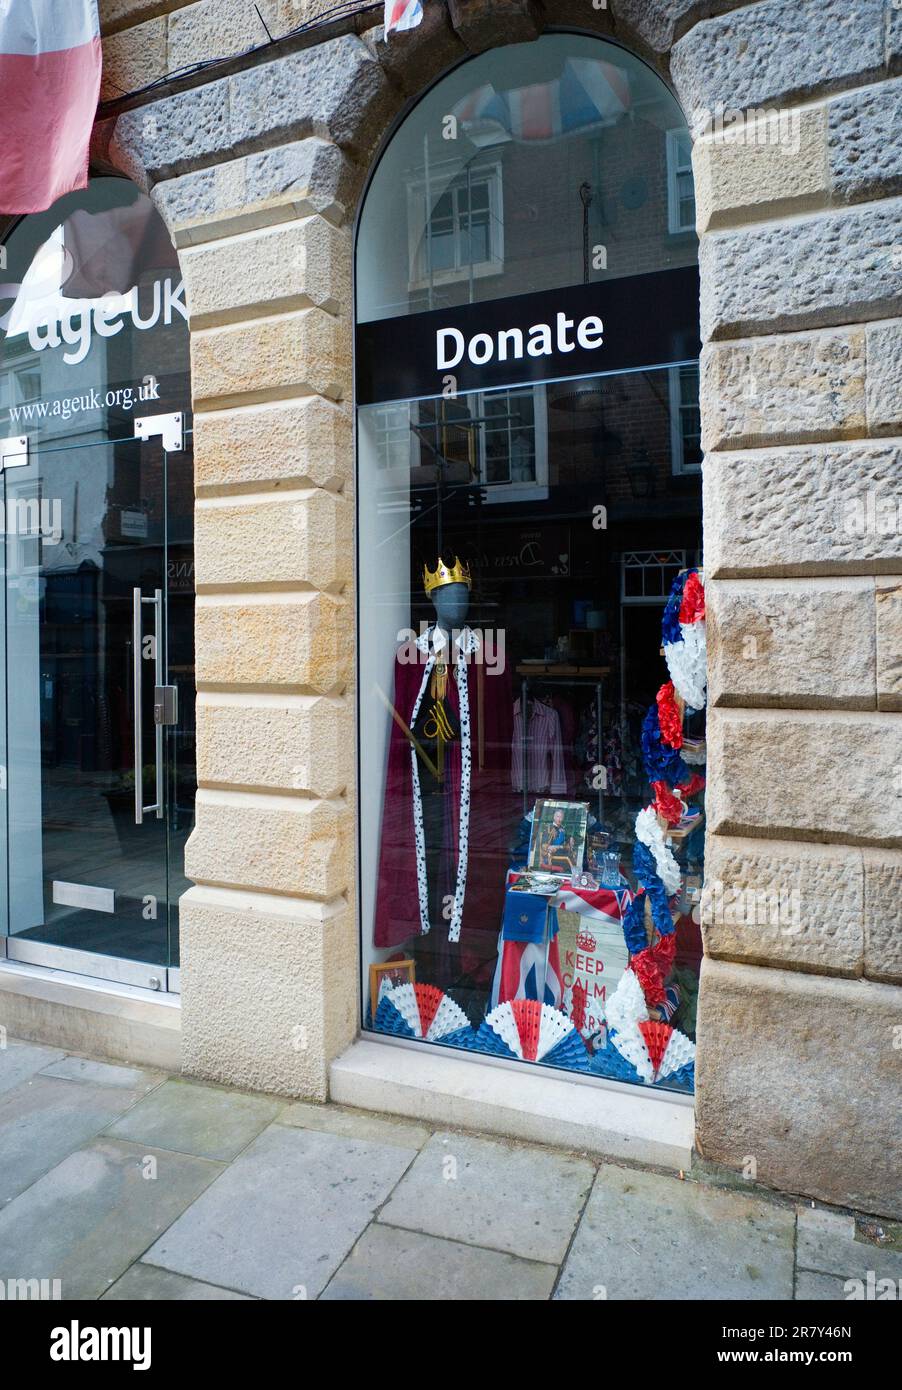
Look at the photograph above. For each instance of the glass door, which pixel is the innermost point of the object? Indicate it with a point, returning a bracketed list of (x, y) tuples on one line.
[(99, 675)]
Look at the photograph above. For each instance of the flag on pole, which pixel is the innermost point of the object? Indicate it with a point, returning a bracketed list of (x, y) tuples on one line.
[(401, 15), (50, 82)]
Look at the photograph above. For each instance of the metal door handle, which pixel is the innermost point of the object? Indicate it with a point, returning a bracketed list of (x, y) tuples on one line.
[(137, 636)]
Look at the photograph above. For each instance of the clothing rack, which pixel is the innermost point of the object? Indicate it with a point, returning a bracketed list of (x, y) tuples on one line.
[(527, 678)]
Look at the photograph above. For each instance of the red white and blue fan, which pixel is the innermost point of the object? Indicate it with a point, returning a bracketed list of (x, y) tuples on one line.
[(655, 1050), (423, 1011), (530, 1031)]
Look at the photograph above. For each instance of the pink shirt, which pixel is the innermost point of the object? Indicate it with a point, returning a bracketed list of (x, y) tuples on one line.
[(544, 750)]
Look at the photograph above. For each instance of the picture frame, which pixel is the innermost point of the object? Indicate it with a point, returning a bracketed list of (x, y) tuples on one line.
[(396, 971), (557, 844)]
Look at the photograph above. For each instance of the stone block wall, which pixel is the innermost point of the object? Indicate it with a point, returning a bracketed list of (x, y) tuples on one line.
[(257, 166), (801, 271)]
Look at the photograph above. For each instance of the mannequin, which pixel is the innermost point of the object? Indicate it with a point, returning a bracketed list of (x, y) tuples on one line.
[(447, 802)]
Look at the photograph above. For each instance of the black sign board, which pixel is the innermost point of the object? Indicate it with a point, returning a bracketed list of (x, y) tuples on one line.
[(606, 326)]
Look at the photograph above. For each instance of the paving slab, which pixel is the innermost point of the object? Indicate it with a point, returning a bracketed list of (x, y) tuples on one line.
[(523, 1201), (92, 1215), (104, 1073), (145, 1283), (355, 1124), (647, 1236), (826, 1243), (201, 1120), (819, 1288), (44, 1119), (284, 1215), (390, 1265), (20, 1060)]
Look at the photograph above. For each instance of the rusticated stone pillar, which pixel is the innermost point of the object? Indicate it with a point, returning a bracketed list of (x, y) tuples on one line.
[(257, 175), (801, 250)]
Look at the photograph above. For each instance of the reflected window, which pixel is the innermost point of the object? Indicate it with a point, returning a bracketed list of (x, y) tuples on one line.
[(529, 515)]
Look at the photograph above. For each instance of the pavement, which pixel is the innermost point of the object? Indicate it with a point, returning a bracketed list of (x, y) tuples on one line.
[(125, 1183)]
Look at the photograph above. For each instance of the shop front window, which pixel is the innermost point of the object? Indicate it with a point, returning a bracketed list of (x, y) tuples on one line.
[(531, 602)]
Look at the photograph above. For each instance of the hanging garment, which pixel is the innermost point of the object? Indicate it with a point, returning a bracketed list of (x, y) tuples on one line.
[(474, 817), (569, 724), (545, 753)]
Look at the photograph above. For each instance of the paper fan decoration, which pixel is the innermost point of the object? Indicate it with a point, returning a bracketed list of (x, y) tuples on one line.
[(448, 1018), (528, 1018), (627, 1004), (570, 1052), (680, 1051), (682, 1080), (420, 1011), (631, 1045), (657, 1036), (610, 1063), (656, 1050), (527, 1030)]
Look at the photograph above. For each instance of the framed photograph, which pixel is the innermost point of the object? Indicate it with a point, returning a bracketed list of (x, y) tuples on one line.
[(558, 840), (385, 975)]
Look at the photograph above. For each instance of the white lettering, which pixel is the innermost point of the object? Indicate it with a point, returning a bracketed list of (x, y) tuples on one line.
[(589, 332), (457, 338), (81, 337), (563, 323), (543, 340), (516, 338), (85, 318), (539, 344), (172, 299), (481, 349), (106, 320)]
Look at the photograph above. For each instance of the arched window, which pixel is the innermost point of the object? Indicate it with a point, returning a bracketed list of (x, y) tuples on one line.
[(528, 495)]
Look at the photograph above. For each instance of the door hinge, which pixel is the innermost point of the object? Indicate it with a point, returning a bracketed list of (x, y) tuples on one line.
[(14, 451), (165, 704), (168, 427)]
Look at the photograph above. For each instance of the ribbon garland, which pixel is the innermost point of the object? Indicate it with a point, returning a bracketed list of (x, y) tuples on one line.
[(647, 874), (668, 804), (662, 764), (673, 781), (650, 834), (670, 721), (652, 966), (687, 663), (692, 604), (634, 925)]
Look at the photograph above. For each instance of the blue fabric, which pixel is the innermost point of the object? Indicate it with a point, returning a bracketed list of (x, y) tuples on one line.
[(662, 763), (524, 917)]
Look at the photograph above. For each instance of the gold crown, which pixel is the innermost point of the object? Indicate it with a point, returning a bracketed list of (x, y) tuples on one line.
[(446, 574)]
